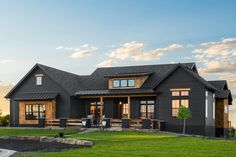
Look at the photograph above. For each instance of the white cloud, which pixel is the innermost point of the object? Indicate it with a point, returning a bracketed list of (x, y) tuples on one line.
[(81, 54), (134, 51), (156, 54), (7, 61), (127, 50), (107, 63)]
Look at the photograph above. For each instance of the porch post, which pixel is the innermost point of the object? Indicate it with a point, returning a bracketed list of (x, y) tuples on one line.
[(128, 106), (101, 109)]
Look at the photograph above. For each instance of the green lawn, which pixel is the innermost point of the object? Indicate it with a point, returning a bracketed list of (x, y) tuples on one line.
[(33, 132), (130, 144)]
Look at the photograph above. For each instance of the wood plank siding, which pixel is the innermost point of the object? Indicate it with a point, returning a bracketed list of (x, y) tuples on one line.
[(50, 110)]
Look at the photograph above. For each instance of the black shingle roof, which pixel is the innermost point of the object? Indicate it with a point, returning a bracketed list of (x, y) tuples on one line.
[(223, 91), (36, 96), (98, 81), (114, 92)]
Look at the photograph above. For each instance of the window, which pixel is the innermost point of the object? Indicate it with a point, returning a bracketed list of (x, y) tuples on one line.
[(35, 111), (184, 93), (131, 83), (175, 93), (125, 109), (175, 107), (147, 109), (123, 83), (180, 97), (143, 111), (38, 80), (116, 83), (226, 109)]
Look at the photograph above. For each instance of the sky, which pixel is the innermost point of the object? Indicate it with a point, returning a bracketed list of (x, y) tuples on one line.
[(79, 36)]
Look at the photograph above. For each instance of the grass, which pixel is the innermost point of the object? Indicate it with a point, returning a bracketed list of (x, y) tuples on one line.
[(123, 144), (33, 132)]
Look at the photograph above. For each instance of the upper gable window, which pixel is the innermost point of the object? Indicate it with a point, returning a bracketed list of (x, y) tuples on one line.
[(131, 83), (39, 79)]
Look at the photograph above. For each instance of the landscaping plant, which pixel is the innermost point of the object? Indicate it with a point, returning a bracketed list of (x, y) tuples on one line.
[(183, 113)]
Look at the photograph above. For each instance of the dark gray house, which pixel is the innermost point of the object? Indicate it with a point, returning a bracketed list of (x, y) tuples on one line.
[(152, 92)]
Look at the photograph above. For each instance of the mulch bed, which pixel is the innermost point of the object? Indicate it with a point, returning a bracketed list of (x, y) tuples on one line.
[(30, 145)]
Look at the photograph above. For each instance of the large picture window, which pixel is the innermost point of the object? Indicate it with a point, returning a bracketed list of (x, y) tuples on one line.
[(147, 109), (35, 111), (179, 98)]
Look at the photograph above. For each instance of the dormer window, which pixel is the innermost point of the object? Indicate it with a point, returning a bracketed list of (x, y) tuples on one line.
[(39, 79), (123, 83), (116, 83)]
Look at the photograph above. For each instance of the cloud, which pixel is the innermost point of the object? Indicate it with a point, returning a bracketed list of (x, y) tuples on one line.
[(107, 63), (218, 59), (134, 51), (156, 54), (7, 61), (126, 50), (79, 52)]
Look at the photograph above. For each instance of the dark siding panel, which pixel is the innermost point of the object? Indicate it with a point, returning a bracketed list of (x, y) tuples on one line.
[(14, 113), (77, 108), (181, 79), (108, 108), (135, 108)]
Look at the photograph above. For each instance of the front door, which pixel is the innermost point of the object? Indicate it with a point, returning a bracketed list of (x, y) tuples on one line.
[(95, 113)]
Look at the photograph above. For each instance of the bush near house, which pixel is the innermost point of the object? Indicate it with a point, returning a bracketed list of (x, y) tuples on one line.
[(232, 132), (4, 120)]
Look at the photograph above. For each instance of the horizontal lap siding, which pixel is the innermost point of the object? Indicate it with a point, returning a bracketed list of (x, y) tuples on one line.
[(181, 79)]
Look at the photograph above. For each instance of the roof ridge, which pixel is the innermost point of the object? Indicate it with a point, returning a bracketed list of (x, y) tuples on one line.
[(144, 65)]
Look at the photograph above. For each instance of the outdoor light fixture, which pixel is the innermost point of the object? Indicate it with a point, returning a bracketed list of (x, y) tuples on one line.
[(84, 122), (120, 103), (104, 123)]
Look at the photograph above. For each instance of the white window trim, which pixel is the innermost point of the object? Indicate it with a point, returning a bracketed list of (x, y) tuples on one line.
[(39, 80), (206, 104)]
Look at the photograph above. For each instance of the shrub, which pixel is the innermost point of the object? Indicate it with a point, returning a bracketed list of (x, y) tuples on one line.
[(232, 132), (5, 120)]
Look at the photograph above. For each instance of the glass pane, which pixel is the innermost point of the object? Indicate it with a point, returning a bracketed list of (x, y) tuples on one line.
[(175, 103), (185, 103), (150, 102), (131, 83), (123, 83), (143, 108), (175, 93), (92, 109), (143, 102), (184, 93), (150, 115), (174, 112), (39, 80), (116, 83), (150, 108)]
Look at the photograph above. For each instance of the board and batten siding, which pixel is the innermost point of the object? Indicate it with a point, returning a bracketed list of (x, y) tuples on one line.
[(182, 79)]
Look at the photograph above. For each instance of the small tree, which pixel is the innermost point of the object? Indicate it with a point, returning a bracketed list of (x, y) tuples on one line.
[(183, 113)]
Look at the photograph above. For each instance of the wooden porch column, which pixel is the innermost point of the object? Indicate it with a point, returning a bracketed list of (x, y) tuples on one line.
[(128, 106), (101, 109)]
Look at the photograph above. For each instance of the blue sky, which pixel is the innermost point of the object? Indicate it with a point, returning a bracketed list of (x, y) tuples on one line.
[(50, 32)]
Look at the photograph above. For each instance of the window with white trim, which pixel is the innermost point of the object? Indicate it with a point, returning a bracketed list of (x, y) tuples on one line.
[(226, 109)]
